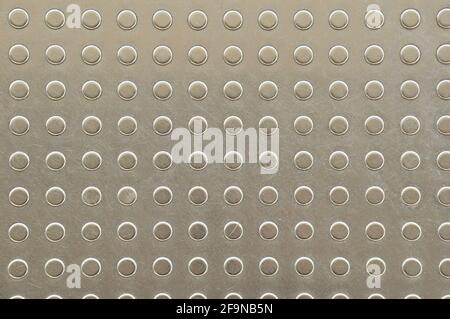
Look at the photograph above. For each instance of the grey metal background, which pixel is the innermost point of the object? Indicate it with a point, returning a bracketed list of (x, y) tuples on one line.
[(286, 248)]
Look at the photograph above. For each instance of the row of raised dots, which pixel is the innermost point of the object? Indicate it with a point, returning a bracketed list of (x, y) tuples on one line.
[(232, 20), (303, 160), (162, 125), (233, 230), (233, 266), (232, 55), (232, 90), (233, 195)]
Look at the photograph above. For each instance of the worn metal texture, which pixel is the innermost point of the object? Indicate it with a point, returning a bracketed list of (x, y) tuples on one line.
[(364, 99)]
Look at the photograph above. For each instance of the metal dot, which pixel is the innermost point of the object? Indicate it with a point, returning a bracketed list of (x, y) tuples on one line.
[(19, 54), (339, 231), (304, 295), (162, 125), (304, 266), (162, 90), (233, 55), (91, 125), (443, 160), (338, 90), (410, 160), (162, 266), (198, 90), (126, 231), (54, 268), (268, 20), (377, 263), (444, 267), (55, 54), (233, 295), (233, 125), (162, 231), (233, 230), (233, 160), (91, 54), (198, 195), (55, 19), (19, 90), (18, 268), (340, 266), (374, 160), (162, 55), (303, 55), (443, 18), (19, 125), (410, 54), (91, 231), (268, 90), (375, 231), (304, 230), (338, 125), (91, 160), (126, 296), (303, 195), (126, 267), (19, 161), (127, 55), (18, 18), (233, 195), (338, 160), (410, 125), (443, 196), (412, 267), (303, 90), (162, 195), (268, 295), (198, 231), (444, 231), (55, 232), (197, 20), (162, 160), (91, 19), (410, 90), (91, 90), (232, 20), (56, 90), (91, 267), (18, 232), (268, 55), (198, 266), (91, 196), (303, 20), (268, 266), (55, 125), (55, 196), (127, 196), (19, 197), (233, 266), (127, 125), (374, 90), (338, 55), (303, 125), (55, 161), (197, 125), (410, 19), (443, 54), (374, 19), (268, 230), (198, 55), (127, 160), (338, 19), (268, 125), (233, 90), (443, 89), (374, 54), (268, 195), (374, 125), (126, 19), (375, 195), (339, 195), (411, 196), (162, 20), (303, 160), (411, 231)]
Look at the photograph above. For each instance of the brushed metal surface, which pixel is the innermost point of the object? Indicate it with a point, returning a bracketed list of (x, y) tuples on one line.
[(329, 249)]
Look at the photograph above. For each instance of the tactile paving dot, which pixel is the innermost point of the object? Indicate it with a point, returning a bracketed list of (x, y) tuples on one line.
[(341, 91)]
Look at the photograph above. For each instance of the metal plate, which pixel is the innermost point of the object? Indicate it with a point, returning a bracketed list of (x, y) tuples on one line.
[(393, 188)]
